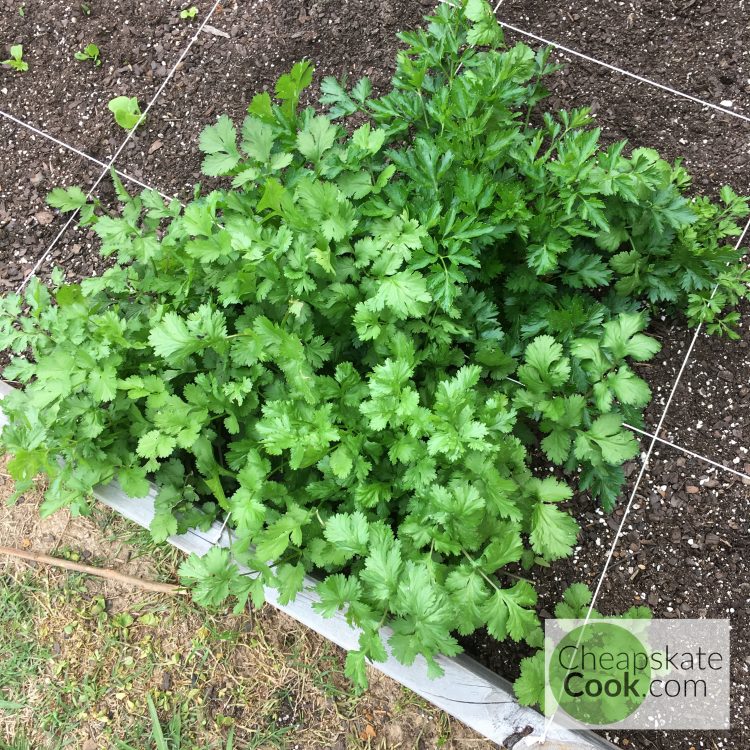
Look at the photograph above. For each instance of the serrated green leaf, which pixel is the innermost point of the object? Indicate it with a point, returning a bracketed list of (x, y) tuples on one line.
[(356, 670), (163, 526), (575, 602), (341, 462), (557, 445), (317, 138), (349, 532), (629, 388), (67, 199), (171, 338), (133, 481), (219, 143), (257, 139), (544, 366), (506, 612), (154, 444), (529, 687), (553, 531), (209, 576), (405, 293), (607, 437), (336, 592)]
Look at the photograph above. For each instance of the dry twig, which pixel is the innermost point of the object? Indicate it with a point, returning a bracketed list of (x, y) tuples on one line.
[(112, 575)]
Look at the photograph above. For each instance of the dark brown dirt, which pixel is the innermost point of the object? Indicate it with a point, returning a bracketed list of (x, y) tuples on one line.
[(684, 550), (31, 167), (699, 47), (139, 43), (696, 46), (683, 553), (265, 39), (711, 408)]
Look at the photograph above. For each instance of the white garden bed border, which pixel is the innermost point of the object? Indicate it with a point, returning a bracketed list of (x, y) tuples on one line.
[(467, 691)]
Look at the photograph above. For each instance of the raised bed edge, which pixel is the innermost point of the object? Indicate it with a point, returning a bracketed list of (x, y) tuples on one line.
[(483, 700)]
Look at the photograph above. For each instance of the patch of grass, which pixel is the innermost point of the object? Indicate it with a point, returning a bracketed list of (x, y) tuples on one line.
[(163, 558), (271, 736), (79, 656), (19, 742), (406, 699), (21, 655)]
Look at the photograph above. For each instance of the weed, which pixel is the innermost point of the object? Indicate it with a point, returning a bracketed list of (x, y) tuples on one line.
[(126, 110), (16, 60), (189, 13), (90, 52)]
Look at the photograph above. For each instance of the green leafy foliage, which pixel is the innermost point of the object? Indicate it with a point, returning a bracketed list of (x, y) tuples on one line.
[(365, 347), (126, 111), (16, 60), (89, 52), (189, 13), (575, 604)]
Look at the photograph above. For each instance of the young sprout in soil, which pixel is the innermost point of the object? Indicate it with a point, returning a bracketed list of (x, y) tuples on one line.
[(91, 52), (85, 9), (126, 110), (22, 11), (16, 60), (190, 12)]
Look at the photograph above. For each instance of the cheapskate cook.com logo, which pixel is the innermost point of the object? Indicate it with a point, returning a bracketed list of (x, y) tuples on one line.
[(638, 674)]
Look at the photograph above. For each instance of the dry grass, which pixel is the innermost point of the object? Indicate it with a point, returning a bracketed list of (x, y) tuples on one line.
[(80, 656)]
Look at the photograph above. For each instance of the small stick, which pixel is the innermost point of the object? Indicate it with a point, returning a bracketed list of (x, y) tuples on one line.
[(112, 575)]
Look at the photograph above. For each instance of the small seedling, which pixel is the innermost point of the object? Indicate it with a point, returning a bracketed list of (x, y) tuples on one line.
[(91, 52), (16, 60), (22, 11), (85, 9), (190, 12), (126, 110)]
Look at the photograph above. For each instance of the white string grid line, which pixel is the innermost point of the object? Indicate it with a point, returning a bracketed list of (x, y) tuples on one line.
[(130, 134), (624, 72), (670, 444), (83, 154), (687, 451), (65, 145), (609, 66), (641, 473)]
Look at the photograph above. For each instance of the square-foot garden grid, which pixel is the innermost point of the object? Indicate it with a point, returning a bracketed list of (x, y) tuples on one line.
[(663, 77)]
